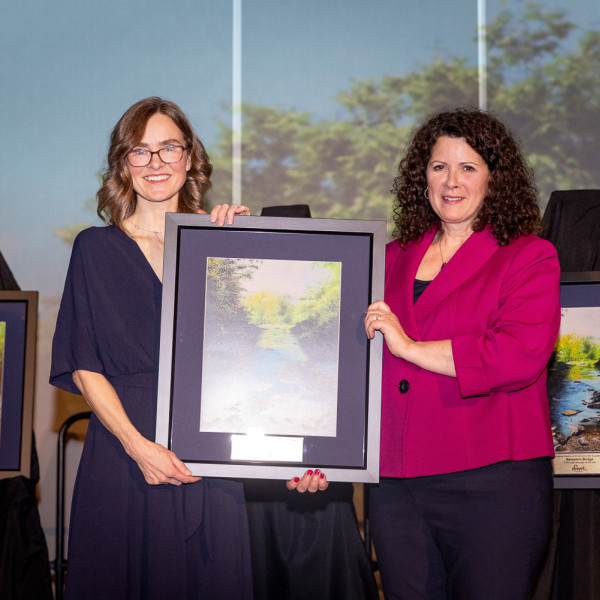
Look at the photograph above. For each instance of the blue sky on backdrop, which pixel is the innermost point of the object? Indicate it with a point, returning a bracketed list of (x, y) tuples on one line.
[(69, 69)]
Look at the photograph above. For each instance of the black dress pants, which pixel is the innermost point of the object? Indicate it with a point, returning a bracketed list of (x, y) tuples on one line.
[(480, 534)]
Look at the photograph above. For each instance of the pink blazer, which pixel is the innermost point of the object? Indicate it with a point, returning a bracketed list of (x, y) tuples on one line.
[(500, 306)]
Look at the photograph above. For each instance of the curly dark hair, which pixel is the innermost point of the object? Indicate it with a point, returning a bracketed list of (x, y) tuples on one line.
[(116, 197), (510, 206)]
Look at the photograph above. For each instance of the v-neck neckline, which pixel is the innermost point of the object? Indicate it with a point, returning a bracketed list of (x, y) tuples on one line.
[(141, 253)]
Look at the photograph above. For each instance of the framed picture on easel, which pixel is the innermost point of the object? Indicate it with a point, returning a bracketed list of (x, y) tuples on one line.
[(574, 383), (18, 322)]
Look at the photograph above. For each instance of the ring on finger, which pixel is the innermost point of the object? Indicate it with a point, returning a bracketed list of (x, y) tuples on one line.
[(378, 316)]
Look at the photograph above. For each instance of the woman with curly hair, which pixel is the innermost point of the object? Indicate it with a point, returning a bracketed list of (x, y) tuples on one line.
[(471, 314), (142, 527)]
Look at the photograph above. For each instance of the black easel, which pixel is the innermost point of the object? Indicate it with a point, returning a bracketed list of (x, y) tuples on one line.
[(59, 564), (572, 221)]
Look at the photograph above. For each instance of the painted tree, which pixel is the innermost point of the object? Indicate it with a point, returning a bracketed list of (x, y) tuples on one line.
[(267, 309), (224, 278)]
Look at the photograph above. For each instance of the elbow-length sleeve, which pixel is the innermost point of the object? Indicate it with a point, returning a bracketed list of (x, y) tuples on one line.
[(75, 344), (514, 349)]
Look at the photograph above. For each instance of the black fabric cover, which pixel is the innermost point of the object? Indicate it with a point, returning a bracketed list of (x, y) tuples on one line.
[(306, 546), (289, 210), (24, 568), (572, 221), (7, 280)]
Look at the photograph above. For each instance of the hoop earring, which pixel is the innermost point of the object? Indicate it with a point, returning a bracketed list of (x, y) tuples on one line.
[(425, 193)]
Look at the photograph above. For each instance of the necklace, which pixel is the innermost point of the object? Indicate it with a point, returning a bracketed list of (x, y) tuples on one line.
[(156, 233), (445, 262), (438, 236), (441, 255)]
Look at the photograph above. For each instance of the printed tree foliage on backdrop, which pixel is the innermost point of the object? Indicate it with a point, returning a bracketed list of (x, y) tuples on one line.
[(543, 80)]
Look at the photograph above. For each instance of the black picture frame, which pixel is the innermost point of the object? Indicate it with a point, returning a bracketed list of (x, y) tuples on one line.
[(580, 468), (18, 323), (351, 451)]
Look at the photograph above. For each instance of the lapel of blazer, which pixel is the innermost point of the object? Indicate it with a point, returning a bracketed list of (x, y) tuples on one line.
[(470, 257), (403, 268)]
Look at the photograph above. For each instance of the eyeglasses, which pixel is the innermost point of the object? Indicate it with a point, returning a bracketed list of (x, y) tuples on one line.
[(140, 157)]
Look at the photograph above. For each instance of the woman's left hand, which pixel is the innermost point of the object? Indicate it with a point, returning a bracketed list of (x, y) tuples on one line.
[(311, 481), (435, 356), (222, 213), (379, 317)]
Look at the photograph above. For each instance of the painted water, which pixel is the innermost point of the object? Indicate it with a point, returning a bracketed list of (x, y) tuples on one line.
[(569, 390), (280, 387)]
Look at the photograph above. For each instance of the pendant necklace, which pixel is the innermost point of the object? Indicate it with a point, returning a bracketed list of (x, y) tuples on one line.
[(156, 233), (442, 256), (445, 262)]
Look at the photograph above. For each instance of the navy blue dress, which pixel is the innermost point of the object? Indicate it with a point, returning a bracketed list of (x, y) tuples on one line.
[(129, 540)]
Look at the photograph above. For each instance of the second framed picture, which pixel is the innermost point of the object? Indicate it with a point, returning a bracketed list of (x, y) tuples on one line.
[(574, 383), (265, 368), (18, 321)]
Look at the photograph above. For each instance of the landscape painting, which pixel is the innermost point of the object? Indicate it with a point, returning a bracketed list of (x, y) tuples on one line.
[(574, 382), (271, 342), (2, 337)]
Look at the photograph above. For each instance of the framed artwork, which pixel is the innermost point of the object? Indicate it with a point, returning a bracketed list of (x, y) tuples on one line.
[(18, 322), (265, 369), (574, 383)]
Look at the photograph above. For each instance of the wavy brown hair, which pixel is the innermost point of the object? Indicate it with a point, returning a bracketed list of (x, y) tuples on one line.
[(116, 196), (510, 205)]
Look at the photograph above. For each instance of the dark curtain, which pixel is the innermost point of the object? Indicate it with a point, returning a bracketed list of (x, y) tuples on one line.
[(24, 567), (286, 210), (572, 221), (7, 280)]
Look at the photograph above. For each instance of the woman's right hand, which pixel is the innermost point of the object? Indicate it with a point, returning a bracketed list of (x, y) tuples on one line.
[(311, 481), (159, 465)]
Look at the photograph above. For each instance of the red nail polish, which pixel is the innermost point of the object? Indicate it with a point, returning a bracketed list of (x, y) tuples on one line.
[(317, 471), (309, 472), (322, 475), (296, 479)]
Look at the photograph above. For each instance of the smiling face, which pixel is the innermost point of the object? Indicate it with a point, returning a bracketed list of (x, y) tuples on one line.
[(159, 182), (457, 178)]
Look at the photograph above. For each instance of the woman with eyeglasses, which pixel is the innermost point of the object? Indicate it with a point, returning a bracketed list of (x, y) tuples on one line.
[(142, 527)]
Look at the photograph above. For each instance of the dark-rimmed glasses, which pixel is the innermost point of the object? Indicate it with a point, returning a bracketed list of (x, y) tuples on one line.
[(140, 157)]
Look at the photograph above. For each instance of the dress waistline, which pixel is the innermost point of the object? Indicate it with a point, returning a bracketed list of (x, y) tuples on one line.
[(148, 381)]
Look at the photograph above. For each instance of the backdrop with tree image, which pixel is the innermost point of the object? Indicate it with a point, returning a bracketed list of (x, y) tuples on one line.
[(543, 79), (277, 322)]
